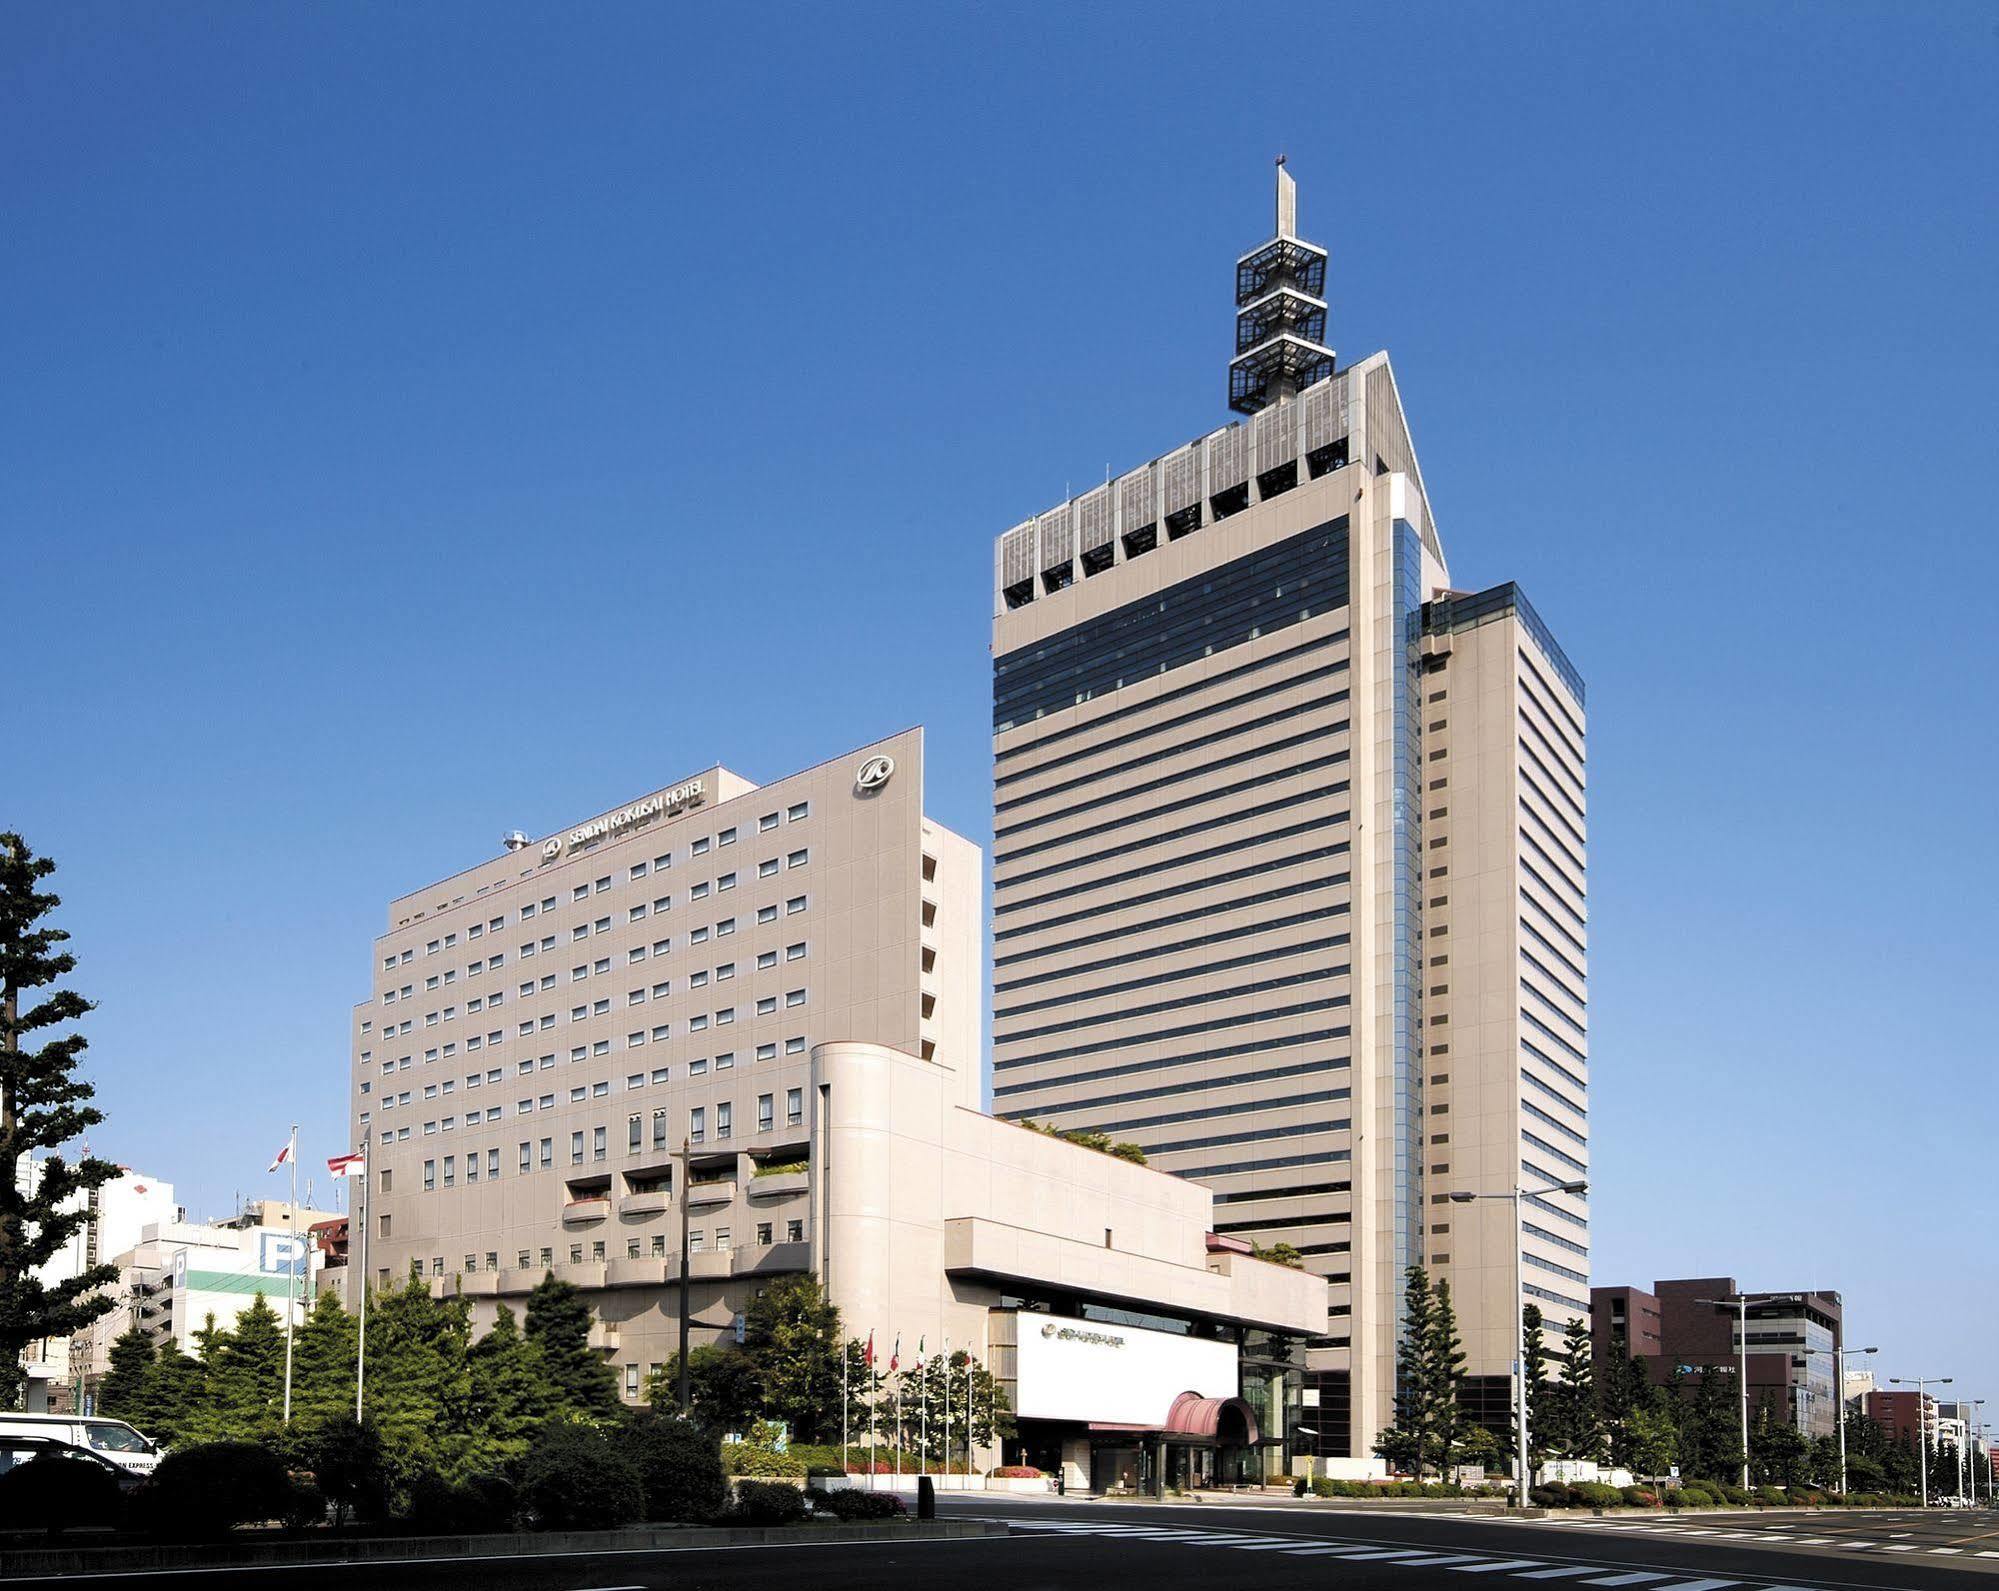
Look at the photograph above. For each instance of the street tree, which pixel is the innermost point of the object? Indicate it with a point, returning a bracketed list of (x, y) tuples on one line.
[(558, 1323), (43, 1106)]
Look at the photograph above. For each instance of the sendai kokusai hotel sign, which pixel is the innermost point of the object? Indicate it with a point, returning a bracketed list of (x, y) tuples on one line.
[(617, 822)]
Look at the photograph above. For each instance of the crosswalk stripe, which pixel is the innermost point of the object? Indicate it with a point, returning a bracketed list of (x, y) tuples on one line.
[(1264, 1546), (1496, 1565), (1635, 1577), (1555, 1574), (1316, 1552), (1370, 1553), (1695, 1585)]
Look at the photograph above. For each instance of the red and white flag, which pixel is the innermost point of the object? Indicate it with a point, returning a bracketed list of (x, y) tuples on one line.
[(868, 1358), (284, 1154), (348, 1165), (895, 1353)]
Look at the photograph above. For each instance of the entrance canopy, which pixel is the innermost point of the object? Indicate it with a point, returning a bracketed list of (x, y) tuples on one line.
[(1226, 1422)]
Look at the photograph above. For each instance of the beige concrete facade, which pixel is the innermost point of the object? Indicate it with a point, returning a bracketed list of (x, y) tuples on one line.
[(1261, 866), (549, 1027)]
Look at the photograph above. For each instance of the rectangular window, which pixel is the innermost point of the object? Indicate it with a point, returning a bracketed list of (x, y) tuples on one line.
[(697, 1124), (766, 914), (763, 1234), (797, 858), (450, 1170), (635, 1139), (726, 837), (527, 1156), (766, 1112), (794, 1106), (598, 1146), (472, 1168), (794, 952), (576, 1148), (802, 809), (659, 1133), (430, 1178), (767, 868), (794, 1231), (726, 881), (795, 905), (794, 997), (766, 822), (724, 1117)]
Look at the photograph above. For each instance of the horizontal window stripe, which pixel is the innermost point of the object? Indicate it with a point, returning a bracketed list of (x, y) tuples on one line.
[(1555, 979), (1303, 1191), (1247, 842), (1574, 886), (1276, 1223), (1248, 1107), (1566, 1020), (1547, 1297), (1261, 1135), (1180, 1089), (1566, 801), (1221, 936), (1281, 1163), (1552, 948), (1255, 782), (1549, 1265), (1561, 1127), (1304, 737), (1560, 723), (1553, 1037), (1554, 895), (1337, 1002), (1152, 924), (1527, 811), (1095, 722), (1227, 731), (1236, 992), (1547, 1148), (1549, 1237), (1554, 1065), (1555, 1210), (1219, 1052), (1104, 991), (1553, 1093)]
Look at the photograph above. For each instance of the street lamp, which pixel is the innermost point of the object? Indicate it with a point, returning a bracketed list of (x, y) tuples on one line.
[(1839, 1397), (1516, 1194), (1922, 1424)]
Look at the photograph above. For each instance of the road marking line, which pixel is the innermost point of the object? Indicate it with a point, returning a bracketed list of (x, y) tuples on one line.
[(1495, 1567), (1695, 1585), (1555, 1574), (1949, 1551), (1636, 1577), (1368, 1553), (1911, 1547)]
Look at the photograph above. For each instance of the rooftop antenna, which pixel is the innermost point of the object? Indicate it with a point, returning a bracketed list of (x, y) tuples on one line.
[(1280, 323)]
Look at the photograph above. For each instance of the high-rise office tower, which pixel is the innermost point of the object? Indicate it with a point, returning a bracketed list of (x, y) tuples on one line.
[(1289, 857)]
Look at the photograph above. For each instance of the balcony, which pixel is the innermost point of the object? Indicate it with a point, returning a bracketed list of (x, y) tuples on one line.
[(604, 1336), (480, 1284), (702, 1194), (773, 1259), (582, 1212), (645, 1203), (628, 1272), (778, 1184)]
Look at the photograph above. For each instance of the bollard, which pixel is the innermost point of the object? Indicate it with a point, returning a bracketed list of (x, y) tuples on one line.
[(926, 1497)]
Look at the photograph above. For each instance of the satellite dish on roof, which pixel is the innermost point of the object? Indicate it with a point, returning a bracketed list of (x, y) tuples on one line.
[(514, 840)]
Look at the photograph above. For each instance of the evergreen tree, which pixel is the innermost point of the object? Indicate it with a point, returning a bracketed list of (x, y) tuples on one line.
[(1534, 1346), (1409, 1442), (176, 1388), (245, 1394), (1573, 1426), (558, 1323), (725, 1389), (1710, 1431), (1651, 1442), (43, 1105), (123, 1393), (323, 1365), (791, 1333), (1443, 1377), (509, 1390), (418, 1384)]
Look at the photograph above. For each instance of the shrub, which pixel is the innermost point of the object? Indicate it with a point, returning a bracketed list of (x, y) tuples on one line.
[(747, 1458), (1594, 1494), (1013, 1472), (1322, 1486), (768, 1503), (206, 1491), (1300, 1485), (346, 1460), (438, 1507), (679, 1466), (850, 1503), (1770, 1497), (576, 1477), (1729, 1494), (59, 1494), (1639, 1497), (305, 1505), (1549, 1496)]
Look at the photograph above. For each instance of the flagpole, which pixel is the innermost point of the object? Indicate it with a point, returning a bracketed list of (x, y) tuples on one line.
[(291, 1273), (947, 1404), (361, 1338), (874, 1409), (844, 1357), (922, 1410)]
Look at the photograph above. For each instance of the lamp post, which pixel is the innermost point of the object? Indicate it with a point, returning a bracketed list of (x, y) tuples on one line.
[(1515, 1195), (1922, 1423), (1839, 1397), (686, 1159), (1740, 1303)]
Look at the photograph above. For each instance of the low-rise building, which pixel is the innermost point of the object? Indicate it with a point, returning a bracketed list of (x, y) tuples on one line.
[(752, 1014)]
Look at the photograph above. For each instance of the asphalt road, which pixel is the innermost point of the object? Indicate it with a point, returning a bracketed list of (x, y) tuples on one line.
[(1055, 1545)]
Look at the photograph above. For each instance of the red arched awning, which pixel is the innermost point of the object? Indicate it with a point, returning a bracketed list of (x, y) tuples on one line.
[(1225, 1421)]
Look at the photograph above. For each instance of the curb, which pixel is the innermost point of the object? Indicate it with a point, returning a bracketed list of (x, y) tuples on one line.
[(31, 1562)]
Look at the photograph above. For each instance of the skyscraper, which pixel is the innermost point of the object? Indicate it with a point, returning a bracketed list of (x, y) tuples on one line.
[(1289, 867)]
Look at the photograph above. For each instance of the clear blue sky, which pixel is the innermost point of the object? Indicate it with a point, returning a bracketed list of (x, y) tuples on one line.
[(422, 421)]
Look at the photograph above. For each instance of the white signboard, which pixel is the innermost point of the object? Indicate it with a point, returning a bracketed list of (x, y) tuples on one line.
[(1122, 1375)]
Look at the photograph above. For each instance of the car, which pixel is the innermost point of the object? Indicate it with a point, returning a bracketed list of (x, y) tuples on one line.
[(112, 1439), (18, 1450)]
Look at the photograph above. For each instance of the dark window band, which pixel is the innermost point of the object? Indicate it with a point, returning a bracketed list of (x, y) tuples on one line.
[(1254, 958), (1195, 914), (1218, 1052), (1337, 1002), (1215, 997)]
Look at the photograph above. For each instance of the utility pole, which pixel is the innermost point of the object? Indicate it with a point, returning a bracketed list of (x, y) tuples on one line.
[(686, 1160)]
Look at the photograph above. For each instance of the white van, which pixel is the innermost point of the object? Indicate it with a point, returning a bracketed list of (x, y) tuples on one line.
[(112, 1439)]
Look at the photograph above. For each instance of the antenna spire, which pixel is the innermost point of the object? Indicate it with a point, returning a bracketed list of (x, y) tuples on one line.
[(1280, 312)]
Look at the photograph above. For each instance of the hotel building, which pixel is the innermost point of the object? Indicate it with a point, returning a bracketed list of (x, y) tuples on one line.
[(784, 979), (1289, 857)]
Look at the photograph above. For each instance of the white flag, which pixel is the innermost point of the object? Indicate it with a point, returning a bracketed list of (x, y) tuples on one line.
[(284, 1155)]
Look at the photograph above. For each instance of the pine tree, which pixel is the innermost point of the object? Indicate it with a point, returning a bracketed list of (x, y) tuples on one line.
[(418, 1383), (43, 1105), (558, 1322), (1535, 1353), (1443, 1376), (1405, 1444), (123, 1393), (176, 1387), (509, 1390), (246, 1391), (1574, 1424)]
